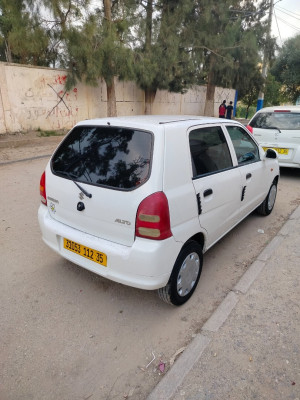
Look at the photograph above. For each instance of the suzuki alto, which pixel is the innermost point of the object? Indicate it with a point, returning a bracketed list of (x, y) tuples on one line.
[(140, 199)]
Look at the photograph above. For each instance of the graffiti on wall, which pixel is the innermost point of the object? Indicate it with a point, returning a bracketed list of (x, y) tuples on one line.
[(60, 99), (65, 99)]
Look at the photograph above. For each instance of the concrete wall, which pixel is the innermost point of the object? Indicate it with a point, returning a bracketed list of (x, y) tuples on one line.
[(34, 97)]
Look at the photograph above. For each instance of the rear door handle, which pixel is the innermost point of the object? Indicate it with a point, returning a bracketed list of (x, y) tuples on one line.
[(207, 192)]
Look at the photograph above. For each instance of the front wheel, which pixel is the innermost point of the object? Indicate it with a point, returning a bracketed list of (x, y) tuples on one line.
[(267, 205), (185, 275)]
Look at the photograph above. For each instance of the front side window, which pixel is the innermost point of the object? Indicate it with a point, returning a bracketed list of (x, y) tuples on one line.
[(277, 120), (209, 150), (109, 156), (245, 148)]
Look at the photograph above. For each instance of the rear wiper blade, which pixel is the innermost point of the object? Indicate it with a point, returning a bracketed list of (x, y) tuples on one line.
[(89, 195)]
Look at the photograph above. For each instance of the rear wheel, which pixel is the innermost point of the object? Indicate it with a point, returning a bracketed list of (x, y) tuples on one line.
[(185, 275), (267, 205)]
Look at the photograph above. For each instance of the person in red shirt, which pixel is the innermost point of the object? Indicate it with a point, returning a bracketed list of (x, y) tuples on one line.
[(222, 109)]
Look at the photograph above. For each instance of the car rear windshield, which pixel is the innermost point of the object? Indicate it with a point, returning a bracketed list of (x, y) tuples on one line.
[(105, 156), (280, 120)]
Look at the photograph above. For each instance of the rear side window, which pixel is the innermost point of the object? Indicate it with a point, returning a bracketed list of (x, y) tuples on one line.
[(209, 150), (279, 120), (106, 156), (245, 148)]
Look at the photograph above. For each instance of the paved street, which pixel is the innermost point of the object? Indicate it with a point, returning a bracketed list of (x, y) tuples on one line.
[(69, 334)]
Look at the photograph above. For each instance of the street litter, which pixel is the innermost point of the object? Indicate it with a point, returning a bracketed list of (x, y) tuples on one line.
[(172, 359), (260, 231), (151, 360), (162, 367)]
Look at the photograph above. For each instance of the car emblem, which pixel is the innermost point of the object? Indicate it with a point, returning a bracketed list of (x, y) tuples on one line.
[(81, 196), (52, 207)]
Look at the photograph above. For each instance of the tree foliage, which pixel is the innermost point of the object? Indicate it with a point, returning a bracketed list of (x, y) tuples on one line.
[(162, 54), (104, 53), (161, 44), (22, 38), (227, 42), (286, 68)]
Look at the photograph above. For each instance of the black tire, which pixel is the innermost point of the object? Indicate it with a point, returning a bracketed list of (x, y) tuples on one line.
[(267, 205), (185, 275)]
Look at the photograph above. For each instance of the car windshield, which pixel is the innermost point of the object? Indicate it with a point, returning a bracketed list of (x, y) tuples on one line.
[(280, 120), (109, 156)]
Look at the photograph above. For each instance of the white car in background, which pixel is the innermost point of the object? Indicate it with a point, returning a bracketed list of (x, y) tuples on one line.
[(278, 128), (138, 200)]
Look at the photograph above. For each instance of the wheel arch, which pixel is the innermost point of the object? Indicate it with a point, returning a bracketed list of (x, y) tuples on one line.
[(198, 237)]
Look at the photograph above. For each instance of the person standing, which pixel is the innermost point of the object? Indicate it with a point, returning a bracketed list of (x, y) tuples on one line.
[(229, 111), (222, 109)]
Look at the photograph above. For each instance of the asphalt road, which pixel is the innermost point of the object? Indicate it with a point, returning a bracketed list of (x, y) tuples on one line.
[(69, 334)]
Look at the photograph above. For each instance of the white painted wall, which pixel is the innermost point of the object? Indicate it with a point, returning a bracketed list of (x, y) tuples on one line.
[(34, 97)]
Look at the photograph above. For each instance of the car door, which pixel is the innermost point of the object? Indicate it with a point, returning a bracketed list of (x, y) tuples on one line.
[(216, 182), (251, 168)]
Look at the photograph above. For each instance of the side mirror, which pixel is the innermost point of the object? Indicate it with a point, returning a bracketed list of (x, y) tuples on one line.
[(270, 153)]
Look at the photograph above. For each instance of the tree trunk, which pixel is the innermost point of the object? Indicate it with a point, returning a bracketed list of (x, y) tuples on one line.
[(110, 83), (8, 54), (149, 93), (149, 99), (149, 13), (210, 89), (107, 10), (111, 99), (209, 109)]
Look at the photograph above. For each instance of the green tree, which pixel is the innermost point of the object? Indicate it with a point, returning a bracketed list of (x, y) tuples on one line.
[(60, 18), (274, 92), (226, 42), (162, 55), (22, 38), (248, 92), (286, 68), (105, 53)]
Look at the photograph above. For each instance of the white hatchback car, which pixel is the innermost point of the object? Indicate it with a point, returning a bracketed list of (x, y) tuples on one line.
[(279, 128), (138, 200)]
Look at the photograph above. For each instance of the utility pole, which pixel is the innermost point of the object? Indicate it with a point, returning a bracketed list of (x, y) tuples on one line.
[(260, 100)]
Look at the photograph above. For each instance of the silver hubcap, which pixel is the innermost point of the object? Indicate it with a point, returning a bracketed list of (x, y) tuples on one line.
[(188, 274), (272, 197)]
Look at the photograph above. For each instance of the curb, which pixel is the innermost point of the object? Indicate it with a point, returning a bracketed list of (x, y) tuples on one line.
[(12, 143), (169, 384), (25, 159)]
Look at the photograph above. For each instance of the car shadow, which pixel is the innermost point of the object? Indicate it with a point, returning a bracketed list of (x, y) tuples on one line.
[(290, 172)]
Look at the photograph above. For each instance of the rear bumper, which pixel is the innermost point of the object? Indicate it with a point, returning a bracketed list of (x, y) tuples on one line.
[(288, 164), (147, 264), (291, 160)]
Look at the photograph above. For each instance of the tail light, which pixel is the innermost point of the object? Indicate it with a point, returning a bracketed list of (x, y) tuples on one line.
[(250, 129), (43, 188), (153, 218)]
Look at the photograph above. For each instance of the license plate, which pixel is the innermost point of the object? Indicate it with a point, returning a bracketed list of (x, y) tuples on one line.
[(279, 151), (87, 252)]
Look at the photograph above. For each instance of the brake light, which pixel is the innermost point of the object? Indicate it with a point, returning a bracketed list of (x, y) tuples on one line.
[(250, 129), (282, 111), (43, 188), (153, 218)]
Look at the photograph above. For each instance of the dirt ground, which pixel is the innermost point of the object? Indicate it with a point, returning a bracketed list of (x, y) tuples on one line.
[(69, 334), (20, 146)]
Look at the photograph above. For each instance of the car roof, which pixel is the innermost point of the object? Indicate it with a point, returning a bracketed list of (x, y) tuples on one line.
[(295, 109), (154, 120)]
